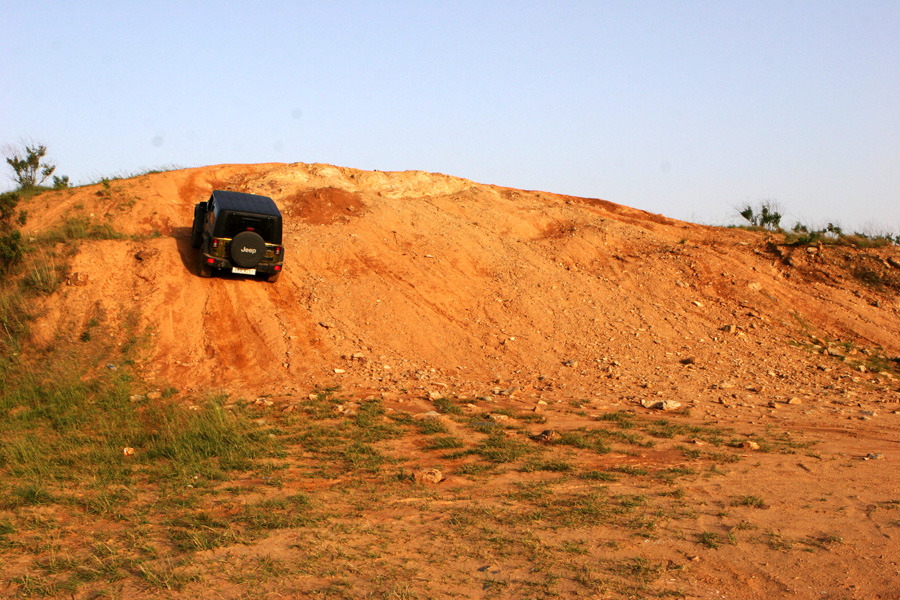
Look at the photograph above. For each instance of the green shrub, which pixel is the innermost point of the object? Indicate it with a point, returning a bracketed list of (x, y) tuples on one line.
[(11, 249), (8, 202), (765, 215)]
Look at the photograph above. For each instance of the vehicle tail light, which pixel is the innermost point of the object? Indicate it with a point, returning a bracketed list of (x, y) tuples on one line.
[(277, 250), (211, 260), (215, 243), (277, 267)]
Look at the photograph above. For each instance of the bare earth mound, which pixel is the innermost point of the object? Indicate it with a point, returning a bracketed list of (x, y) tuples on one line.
[(408, 287)]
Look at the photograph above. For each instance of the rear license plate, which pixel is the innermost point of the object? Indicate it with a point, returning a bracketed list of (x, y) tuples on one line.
[(240, 271)]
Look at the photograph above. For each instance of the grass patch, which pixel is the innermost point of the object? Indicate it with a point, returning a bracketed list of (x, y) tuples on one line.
[(751, 501), (447, 406), (710, 539), (586, 439), (499, 448), (431, 426), (444, 442), (80, 227), (554, 466)]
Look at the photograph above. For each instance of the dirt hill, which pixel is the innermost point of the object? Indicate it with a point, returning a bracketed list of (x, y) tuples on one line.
[(539, 312), (438, 280)]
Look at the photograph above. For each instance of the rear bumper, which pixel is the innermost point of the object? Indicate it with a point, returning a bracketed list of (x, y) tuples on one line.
[(225, 264)]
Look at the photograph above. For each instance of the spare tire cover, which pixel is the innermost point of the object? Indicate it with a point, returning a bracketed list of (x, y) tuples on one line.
[(247, 249)]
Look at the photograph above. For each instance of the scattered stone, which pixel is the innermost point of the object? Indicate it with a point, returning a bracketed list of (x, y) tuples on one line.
[(665, 405), (697, 303), (435, 395), (154, 395), (127, 451), (570, 363), (728, 328), (795, 400), (137, 398), (263, 402), (326, 324), (339, 371), (508, 391), (688, 360), (348, 409), (497, 418), (79, 279), (750, 445), (145, 254), (812, 250), (431, 414), (429, 476), (548, 436), (873, 456)]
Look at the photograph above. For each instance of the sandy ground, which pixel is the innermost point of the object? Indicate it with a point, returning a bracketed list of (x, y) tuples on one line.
[(405, 285)]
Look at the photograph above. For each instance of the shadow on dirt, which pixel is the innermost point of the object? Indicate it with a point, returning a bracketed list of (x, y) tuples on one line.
[(189, 255)]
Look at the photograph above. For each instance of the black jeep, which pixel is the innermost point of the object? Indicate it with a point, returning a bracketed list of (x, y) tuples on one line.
[(240, 233)]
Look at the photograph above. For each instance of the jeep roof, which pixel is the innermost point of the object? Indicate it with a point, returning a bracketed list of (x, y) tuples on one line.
[(249, 203)]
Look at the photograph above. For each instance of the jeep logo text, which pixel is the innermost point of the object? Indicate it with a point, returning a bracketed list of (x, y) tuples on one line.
[(250, 250)]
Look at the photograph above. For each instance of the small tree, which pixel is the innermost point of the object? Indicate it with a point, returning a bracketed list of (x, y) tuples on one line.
[(30, 166)]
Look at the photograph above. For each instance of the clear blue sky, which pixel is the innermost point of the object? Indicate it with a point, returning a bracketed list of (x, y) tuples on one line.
[(682, 108)]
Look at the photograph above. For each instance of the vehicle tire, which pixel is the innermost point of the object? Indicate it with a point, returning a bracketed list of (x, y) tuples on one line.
[(204, 269), (197, 228), (273, 277), (247, 249)]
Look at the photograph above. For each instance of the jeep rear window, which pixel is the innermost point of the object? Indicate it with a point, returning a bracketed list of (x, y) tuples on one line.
[(237, 223)]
